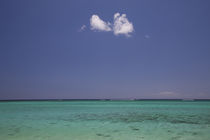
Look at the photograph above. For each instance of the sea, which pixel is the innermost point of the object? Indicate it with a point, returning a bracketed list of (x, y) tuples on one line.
[(105, 120)]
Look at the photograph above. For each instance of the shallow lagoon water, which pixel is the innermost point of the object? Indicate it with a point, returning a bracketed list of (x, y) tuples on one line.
[(105, 120)]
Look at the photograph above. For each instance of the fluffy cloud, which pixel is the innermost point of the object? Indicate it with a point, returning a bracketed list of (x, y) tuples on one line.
[(98, 24), (122, 25)]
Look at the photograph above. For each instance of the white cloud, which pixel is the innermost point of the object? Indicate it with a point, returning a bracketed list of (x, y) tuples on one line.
[(98, 24), (82, 28), (122, 25)]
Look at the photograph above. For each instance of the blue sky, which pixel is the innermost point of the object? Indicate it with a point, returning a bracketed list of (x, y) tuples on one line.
[(45, 54)]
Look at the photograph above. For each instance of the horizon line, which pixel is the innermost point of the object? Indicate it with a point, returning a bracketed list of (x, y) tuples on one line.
[(107, 99)]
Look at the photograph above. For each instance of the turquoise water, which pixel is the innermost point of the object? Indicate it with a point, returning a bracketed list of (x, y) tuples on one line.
[(105, 120)]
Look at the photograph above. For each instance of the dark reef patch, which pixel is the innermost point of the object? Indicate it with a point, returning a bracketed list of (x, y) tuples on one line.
[(102, 135), (134, 128), (176, 138), (11, 134), (169, 131), (194, 133), (138, 117), (52, 123), (115, 131), (16, 130)]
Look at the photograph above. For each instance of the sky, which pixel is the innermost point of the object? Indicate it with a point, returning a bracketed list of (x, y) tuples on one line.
[(96, 49)]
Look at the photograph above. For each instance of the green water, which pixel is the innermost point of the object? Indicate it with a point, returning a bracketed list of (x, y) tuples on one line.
[(105, 120)]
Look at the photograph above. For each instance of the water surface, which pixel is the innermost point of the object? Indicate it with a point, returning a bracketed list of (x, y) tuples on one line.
[(105, 120)]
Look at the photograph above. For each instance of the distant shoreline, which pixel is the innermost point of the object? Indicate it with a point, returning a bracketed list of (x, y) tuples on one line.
[(21, 100)]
